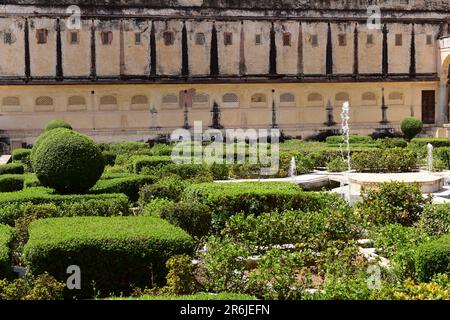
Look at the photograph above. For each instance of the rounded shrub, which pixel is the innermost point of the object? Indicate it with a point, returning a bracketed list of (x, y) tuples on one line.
[(433, 258), (55, 124), (411, 127), (67, 161)]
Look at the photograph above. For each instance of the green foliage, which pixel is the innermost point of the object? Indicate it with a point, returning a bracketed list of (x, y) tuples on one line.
[(180, 278), (436, 142), (68, 162), (109, 158), (128, 148), (187, 171), (227, 199), (170, 187), (443, 154), (389, 143), (411, 127), (194, 218), (435, 220), (311, 229), (113, 252), (337, 165), (155, 207), (12, 168), (277, 276), (433, 258), (385, 160), (11, 183), (153, 163), (223, 296), (6, 242), (437, 289), (129, 185), (354, 139), (44, 287), (161, 150), (393, 202), (245, 171), (56, 124), (15, 205), (21, 154)]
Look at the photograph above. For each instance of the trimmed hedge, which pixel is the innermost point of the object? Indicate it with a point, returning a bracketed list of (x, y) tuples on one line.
[(411, 127), (21, 154), (112, 252), (11, 183), (109, 158), (128, 147), (385, 160), (435, 219), (150, 162), (436, 142), (67, 161), (6, 241), (118, 206), (129, 185), (227, 199), (56, 124), (433, 258), (354, 139), (197, 297), (12, 168)]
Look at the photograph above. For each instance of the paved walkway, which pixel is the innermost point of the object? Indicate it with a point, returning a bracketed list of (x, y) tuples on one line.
[(5, 159)]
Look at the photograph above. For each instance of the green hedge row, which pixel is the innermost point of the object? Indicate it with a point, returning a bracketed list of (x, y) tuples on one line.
[(385, 160), (150, 162), (11, 183), (12, 168), (129, 185), (354, 139), (6, 240), (21, 154), (433, 258), (117, 206), (227, 199), (113, 252), (436, 142)]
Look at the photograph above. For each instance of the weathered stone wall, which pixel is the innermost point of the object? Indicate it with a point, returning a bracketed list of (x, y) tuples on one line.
[(428, 5)]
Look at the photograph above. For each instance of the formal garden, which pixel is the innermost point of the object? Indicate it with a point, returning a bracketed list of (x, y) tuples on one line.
[(139, 226)]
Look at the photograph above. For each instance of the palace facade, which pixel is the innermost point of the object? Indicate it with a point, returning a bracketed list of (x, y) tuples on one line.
[(132, 70)]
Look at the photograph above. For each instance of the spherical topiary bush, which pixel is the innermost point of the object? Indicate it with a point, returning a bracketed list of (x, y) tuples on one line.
[(67, 161), (411, 127), (55, 124)]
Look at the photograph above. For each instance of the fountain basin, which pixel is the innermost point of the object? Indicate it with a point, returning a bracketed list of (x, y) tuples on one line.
[(428, 183)]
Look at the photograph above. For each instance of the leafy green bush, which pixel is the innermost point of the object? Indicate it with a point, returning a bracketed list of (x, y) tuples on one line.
[(43, 287), (21, 154), (56, 124), (129, 185), (186, 171), (385, 160), (393, 202), (11, 183), (68, 162), (109, 158), (161, 150), (436, 142), (411, 127), (194, 218), (435, 220), (443, 154), (388, 143), (155, 207), (12, 168), (14, 205), (170, 187), (227, 199), (354, 139), (6, 242), (245, 171), (150, 162), (433, 258), (437, 289), (337, 165), (128, 148), (113, 252)]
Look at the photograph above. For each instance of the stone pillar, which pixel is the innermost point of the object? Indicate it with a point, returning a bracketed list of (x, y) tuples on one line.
[(442, 110)]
